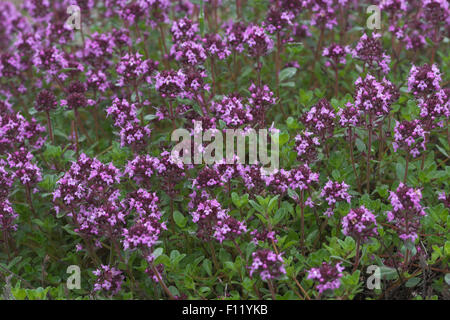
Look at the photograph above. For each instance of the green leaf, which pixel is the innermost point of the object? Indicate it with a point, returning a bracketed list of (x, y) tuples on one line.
[(207, 265), (441, 150), (256, 206), (293, 194), (290, 84), (305, 96), (162, 259), (157, 252), (388, 273), (150, 117), (180, 220), (382, 190), (272, 203), (236, 199), (283, 138), (292, 123), (287, 73), (412, 282), (400, 170), (360, 145)]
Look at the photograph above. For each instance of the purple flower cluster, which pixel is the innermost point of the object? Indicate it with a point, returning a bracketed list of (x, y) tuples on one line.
[(334, 192), (327, 275), (424, 80), (184, 30), (76, 96), (350, 116), (24, 169), (233, 111), (277, 19), (7, 213), (109, 280), (132, 70), (409, 136), (50, 60), (359, 223), (406, 211), (88, 183), (215, 46), (229, 228), (168, 170), (10, 65), (336, 55), (434, 107), (208, 178), (300, 178), (189, 53), (45, 101), (171, 83), (7, 216), (17, 132), (257, 42), (370, 51), (263, 236), (122, 112), (145, 231), (235, 35), (99, 49), (320, 119), (252, 176), (213, 221), (445, 199), (436, 11), (306, 146), (268, 264), (323, 13), (132, 133), (395, 8), (261, 99), (373, 97)]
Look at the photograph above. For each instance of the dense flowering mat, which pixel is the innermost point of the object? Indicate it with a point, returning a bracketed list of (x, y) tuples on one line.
[(352, 98)]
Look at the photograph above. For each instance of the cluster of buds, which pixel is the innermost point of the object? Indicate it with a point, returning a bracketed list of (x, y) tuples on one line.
[(257, 41), (370, 51)]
